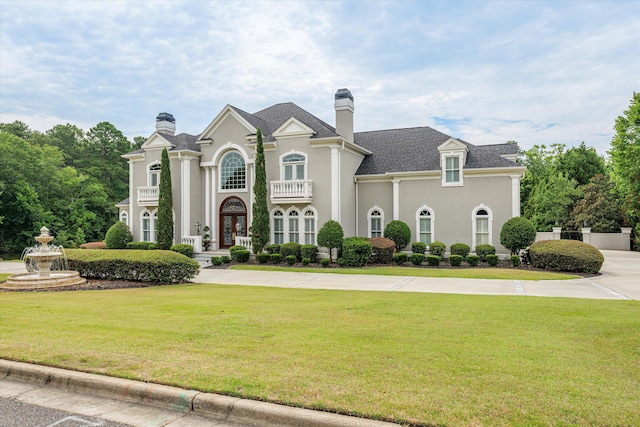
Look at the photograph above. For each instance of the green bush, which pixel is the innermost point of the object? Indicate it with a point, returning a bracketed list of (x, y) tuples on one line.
[(152, 246), (483, 250), (242, 255), (515, 260), (566, 255), (341, 262), (139, 246), (310, 252), (433, 260), (289, 249), (263, 257), (417, 259), (399, 232), (136, 265), (473, 260), (290, 259), (216, 260), (356, 251), (305, 261), (455, 260), (234, 249), (382, 250), (517, 233), (226, 259), (325, 262), (118, 236), (272, 249), (461, 249), (330, 235), (437, 248), (419, 248), (276, 258), (184, 249), (400, 258), (492, 259)]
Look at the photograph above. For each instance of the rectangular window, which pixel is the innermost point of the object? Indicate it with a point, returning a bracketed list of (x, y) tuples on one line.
[(425, 231), (294, 235), (452, 169), (290, 170), (299, 171), (146, 230), (309, 231), (278, 231), (482, 231), (376, 227)]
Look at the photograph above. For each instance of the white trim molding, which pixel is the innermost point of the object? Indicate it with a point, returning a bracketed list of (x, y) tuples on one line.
[(475, 217), (370, 216), (431, 217)]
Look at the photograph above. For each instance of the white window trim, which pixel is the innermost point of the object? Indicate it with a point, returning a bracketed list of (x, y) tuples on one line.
[(272, 220), (154, 172), (474, 216), (443, 165), (246, 173), (432, 218), (315, 225), (124, 217), (306, 164), (375, 208), (287, 229), (150, 226)]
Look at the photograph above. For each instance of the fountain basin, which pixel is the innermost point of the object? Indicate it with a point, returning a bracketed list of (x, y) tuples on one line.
[(55, 279)]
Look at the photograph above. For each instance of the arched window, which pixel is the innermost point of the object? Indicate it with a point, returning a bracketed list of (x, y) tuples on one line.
[(145, 226), (294, 226), (278, 226), (425, 222), (482, 221), (154, 225), (310, 225), (154, 175), (294, 167), (233, 172), (375, 219), (124, 217)]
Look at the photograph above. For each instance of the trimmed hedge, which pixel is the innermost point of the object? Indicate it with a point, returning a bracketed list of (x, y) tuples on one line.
[(382, 250), (242, 255), (455, 260), (433, 260), (437, 248), (139, 246), (234, 249), (325, 262), (136, 265), (263, 257), (400, 258), (272, 249), (118, 236), (418, 248), (305, 261), (399, 232), (290, 259), (276, 258), (93, 245), (566, 255), (216, 260), (290, 249), (461, 249), (517, 233), (226, 259), (473, 260), (184, 249), (492, 259), (483, 250), (417, 259), (310, 252), (356, 251)]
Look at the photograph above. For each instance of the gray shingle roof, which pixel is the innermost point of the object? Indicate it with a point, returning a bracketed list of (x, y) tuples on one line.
[(182, 141), (276, 115)]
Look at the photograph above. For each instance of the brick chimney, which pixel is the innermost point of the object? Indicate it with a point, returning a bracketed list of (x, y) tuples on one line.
[(344, 113)]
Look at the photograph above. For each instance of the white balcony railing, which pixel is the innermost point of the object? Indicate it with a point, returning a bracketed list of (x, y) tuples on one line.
[(244, 241), (292, 190), (195, 241), (148, 195)]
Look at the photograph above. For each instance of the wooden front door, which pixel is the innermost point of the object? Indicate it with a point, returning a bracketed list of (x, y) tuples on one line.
[(233, 221)]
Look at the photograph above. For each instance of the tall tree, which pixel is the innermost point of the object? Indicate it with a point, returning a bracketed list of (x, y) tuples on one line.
[(551, 202), (165, 204), (68, 138), (600, 207), (541, 162), (625, 155), (260, 224), (581, 164)]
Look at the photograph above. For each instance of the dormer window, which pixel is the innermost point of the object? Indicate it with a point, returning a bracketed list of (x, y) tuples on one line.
[(154, 175), (452, 169), (293, 167), (453, 155)]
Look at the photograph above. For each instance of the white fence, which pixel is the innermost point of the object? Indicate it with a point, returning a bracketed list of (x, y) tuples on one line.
[(244, 241), (613, 241)]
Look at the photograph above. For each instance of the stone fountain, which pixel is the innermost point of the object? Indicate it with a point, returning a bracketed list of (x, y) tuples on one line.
[(39, 260)]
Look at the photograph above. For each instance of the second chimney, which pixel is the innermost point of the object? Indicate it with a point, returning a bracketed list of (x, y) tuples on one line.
[(165, 123), (344, 114)]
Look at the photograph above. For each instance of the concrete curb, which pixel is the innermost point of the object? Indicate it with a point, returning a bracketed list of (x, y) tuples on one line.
[(214, 406)]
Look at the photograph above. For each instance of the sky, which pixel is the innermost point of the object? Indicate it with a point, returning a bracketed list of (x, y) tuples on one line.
[(487, 72)]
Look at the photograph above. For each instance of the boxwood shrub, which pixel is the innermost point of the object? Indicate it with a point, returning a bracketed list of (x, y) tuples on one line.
[(492, 259), (118, 236), (226, 259), (455, 260), (325, 262), (290, 259), (234, 249), (483, 250), (263, 257), (276, 258), (461, 249), (289, 249), (566, 255), (305, 261), (242, 255), (382, 250), (310, 252), (184, 249), (356, 251), (433, 260), (272, 249), (140, 246), (136, 265), (400, 258), (417, 259), (437, 248), (418, 248), (515, 260), (216, 260), (473, 260), (399, 232)]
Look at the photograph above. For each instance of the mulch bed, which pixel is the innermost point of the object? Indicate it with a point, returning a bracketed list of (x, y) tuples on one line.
[(95, 285)]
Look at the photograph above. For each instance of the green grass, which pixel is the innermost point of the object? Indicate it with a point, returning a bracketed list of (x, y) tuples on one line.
[(464, 273), (3, 277), (424, 359)]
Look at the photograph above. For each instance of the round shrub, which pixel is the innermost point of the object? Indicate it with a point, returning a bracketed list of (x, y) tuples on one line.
[(342, 262), (243, 255), (272, 249), (400, 258), (399, 232), (437, 248), (118, 236), (356, 251), (418, 248), (290, 249), (566, 255), (461, 249), (139, 246), (382, 250), (216, 260), (276, 258), (184, 249), (305, 261), (233, 250), (325, 262), (483, 250), (330, 235), (433, 260), (492, 259), (263, 257), (455, 260), (517, 233), (290, 259), (417, 259), (473, 260), (226, 259), (515, 260), (310, 252)]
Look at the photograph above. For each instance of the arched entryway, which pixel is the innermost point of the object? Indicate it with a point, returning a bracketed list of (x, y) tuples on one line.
[(233, 221)]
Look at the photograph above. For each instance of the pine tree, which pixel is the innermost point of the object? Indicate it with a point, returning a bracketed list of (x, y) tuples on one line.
[(165, 205), (260, 223)]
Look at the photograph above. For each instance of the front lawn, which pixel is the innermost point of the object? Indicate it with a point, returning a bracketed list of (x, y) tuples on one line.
[(424, 359)]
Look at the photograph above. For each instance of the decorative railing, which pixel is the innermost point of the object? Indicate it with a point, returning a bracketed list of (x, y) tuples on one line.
[(292, 189), (148, 194), (195, 241), (244, 241)]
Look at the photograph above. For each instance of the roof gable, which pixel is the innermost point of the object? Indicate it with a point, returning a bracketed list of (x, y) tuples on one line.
[(221, 117), (157, 141), (293, 128)]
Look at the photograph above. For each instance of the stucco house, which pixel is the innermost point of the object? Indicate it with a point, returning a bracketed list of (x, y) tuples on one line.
[(444, 188)]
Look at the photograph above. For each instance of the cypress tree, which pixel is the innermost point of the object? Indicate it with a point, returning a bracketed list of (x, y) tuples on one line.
[(260, 223), (165, 205)]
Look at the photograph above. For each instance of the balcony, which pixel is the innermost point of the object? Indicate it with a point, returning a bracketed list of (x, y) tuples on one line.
[(148, 196), (292, 191)]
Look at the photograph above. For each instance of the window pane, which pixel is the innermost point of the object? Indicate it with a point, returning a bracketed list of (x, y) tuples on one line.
[(482, 225), (376, 230), (288, 173), (293, 230), (278, 234), (154, 179), (299, 171), (232, 172)]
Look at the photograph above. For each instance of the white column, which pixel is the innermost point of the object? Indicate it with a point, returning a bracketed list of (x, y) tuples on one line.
[(515, 195), (396, 199), (185, 196), (586, 234), (131, 199), (252, 176), (335, 184), (207, 197), (214, 213)]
